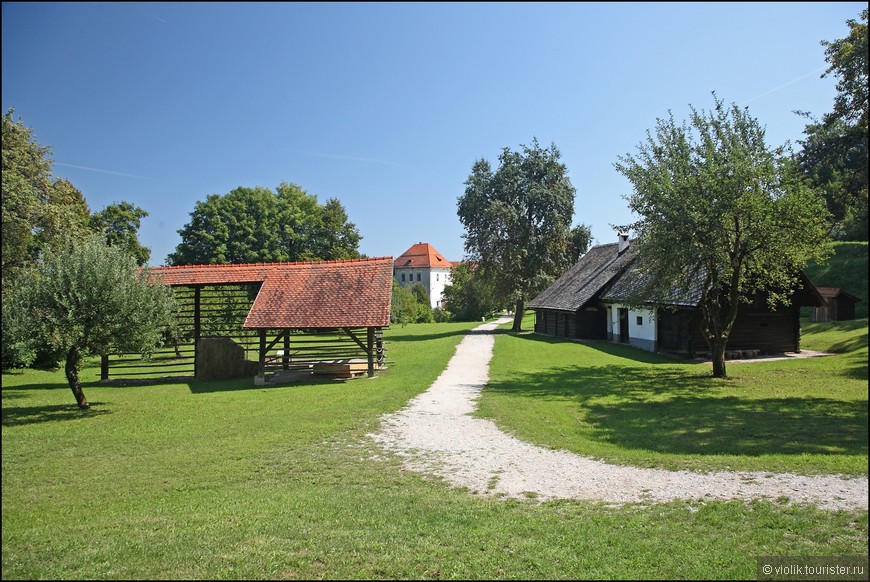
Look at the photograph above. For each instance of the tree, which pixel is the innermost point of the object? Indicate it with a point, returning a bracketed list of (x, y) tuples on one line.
[(518, 223), (85, 298), (333, 234), (403, 305), (251, 225), (120, 223), (722, 214), (834, 155), (847, 58), (37, 209), (468, 296)]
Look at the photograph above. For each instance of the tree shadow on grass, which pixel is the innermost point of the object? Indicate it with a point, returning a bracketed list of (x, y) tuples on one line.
[(610, 348), (21, 415), (671, 411), (242, 384), (44, 386), (855, 367)]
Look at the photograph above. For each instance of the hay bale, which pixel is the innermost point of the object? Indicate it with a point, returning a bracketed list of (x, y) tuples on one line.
[(220, 358)]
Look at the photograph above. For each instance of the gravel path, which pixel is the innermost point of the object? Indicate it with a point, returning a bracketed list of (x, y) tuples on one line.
[(436, 434)]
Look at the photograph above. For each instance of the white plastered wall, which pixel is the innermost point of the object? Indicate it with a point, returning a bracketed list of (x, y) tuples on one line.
[(642, 332)]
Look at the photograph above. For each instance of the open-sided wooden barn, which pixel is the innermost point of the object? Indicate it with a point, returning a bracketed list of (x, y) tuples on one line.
[(591, 301), (320, 315)]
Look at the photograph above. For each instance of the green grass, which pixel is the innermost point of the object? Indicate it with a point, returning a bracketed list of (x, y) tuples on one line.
[(846, 269), (628, 406), (223, 480)]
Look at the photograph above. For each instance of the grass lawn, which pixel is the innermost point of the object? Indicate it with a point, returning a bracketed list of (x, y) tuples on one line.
[(224, 480), (629, 406)]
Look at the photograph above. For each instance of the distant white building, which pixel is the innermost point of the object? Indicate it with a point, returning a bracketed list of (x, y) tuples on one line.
[(423, 264)]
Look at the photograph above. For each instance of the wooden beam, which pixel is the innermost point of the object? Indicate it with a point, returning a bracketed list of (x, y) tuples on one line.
[(197, 326), (366, 349), (278, 338), (370, 340), (262, 358)]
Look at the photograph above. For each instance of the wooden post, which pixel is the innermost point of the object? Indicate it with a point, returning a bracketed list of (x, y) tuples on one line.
[(197, 327), (370, 337), (262, 367), (797, 327), (285, 359), (379, 347)]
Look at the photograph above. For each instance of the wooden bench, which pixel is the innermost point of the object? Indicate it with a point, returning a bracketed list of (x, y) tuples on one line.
[(341, 368)]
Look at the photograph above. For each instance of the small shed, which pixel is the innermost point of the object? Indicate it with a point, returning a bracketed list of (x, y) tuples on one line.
[(839, 305)]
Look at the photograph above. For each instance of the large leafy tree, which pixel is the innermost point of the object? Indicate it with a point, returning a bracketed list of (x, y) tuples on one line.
[(37, 209), (120, 224), (250, 225), (518, 223), (834, 154), (333, 235), (721, 214), (468, 296), (85, 298)]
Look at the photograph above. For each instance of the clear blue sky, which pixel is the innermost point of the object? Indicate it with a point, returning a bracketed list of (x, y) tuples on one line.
[(387, 106)]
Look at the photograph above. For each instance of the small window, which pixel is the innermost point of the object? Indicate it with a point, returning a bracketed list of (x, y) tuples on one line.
[(639, 320), (437, 277), (403, 277), (418, 276)]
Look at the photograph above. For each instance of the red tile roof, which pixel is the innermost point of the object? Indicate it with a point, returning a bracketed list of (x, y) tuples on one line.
[(316, 294), (422, 255)]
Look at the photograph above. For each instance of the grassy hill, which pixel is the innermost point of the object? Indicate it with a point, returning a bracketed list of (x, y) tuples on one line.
[(845, 269)]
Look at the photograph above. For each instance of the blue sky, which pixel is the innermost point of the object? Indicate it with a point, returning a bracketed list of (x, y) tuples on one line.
[(387, 106)]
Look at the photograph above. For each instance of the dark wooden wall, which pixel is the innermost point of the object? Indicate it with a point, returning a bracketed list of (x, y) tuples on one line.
[(578, 325), (772, 332)]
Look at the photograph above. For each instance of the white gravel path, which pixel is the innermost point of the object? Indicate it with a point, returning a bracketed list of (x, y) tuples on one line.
[(436, 434)]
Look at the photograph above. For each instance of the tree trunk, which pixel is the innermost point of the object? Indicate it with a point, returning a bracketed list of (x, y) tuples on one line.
[(104, 367), (717, 347), (518, 316), (72, 376)]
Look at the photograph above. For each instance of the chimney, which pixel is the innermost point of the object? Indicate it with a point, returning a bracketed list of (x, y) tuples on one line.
[(623, 242)]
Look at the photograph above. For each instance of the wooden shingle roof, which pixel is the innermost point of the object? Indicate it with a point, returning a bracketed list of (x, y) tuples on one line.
[(582, 282), (836, 293), (315, 294), (605, 274), (632, 283)]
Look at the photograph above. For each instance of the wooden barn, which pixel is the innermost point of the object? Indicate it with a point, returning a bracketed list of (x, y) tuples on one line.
[(590, 301), (268, 317), (839, 305), (571, 307)]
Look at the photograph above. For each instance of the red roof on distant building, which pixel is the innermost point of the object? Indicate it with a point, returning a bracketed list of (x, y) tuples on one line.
[(315, 294), (422, 255)]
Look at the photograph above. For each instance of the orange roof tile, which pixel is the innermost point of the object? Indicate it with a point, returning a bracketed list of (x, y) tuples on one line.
[(422, 255), (316, 294)]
